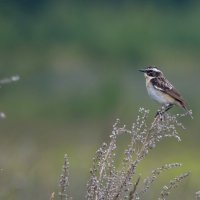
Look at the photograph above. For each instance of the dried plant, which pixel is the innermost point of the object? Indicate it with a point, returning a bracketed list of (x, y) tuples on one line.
[(172, 184), (198, 195), (64, 180), (155, 175), (108, 182), (111, 181), (7, 81)]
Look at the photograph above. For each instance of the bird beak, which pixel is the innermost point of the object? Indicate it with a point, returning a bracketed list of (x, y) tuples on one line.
[(142, 70)]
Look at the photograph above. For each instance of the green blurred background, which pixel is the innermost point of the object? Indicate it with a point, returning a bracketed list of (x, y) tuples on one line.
[(78, 63)]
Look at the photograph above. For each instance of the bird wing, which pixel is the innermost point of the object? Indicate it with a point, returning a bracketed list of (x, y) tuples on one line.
[(162, 84)]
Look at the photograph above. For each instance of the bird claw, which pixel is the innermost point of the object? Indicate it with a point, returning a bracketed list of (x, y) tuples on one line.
[(160, 115)]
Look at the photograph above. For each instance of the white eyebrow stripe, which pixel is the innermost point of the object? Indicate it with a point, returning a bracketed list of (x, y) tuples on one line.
[(155, 69)]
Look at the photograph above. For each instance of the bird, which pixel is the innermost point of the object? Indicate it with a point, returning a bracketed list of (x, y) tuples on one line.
[(161, 90)]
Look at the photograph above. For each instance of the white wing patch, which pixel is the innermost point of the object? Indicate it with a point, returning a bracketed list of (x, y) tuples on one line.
[(162, 84), (158, 88)]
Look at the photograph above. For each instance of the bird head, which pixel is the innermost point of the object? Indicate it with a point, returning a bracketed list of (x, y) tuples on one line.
[(151, 72)]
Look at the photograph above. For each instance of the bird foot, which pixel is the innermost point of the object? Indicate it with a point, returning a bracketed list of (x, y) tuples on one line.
[(160, 115)]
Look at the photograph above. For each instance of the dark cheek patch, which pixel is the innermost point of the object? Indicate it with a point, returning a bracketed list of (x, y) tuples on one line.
[(150, 73), (153, 74)]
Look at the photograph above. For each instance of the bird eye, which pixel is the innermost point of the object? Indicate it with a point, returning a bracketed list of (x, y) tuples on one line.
[(150, 73), (153, 73)]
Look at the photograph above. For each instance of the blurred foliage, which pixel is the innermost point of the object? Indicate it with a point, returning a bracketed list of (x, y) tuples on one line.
[(78, 64), (94, 41)]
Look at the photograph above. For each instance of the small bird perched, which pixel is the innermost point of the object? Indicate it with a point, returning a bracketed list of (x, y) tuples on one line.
[(161, 90)]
